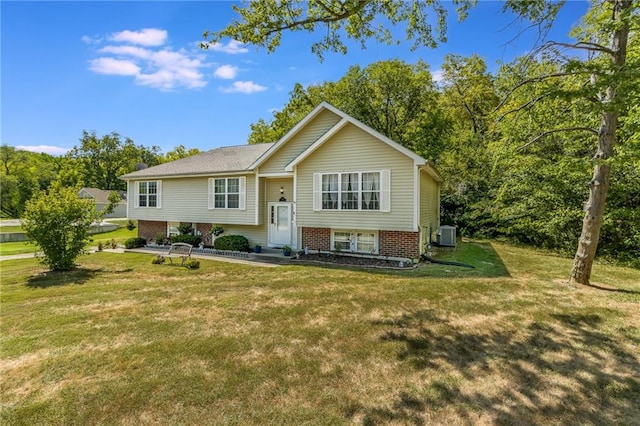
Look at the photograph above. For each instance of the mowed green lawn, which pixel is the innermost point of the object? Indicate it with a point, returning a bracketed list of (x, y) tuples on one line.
[(120, 235), (122, 341)]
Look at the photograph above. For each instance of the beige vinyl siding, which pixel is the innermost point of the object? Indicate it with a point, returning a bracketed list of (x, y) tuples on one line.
[(301, 141), (428, 202), (255, 234), (272, 192), (186, 200), (353, 150)]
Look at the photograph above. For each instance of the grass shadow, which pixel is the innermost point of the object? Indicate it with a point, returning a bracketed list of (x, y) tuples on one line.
[(481, 255), (564, 370), (77, 276)]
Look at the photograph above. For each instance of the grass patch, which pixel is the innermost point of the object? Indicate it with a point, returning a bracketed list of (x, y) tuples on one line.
[(123, 341), (120, 235), (18, 247), (7, 229)]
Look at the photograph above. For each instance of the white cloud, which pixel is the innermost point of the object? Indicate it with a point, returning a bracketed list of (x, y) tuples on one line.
[(114, 66), (48, 149), (138, 52), (233, 47), (90, 40), (437, 76), (243, 87), (163, 69), (226, 71), (144, 37)]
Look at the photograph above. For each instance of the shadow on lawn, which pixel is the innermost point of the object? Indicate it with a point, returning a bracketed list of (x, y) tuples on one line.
[(485, 262), (76, 276), (561, 371)]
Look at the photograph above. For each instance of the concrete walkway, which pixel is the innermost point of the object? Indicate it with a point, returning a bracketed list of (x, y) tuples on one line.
[(194, 255), (212, 257)]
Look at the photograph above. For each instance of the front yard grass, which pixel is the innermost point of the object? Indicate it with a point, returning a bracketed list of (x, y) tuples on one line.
[(122, 341)]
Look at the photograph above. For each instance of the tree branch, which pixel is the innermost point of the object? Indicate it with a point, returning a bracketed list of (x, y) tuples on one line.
[(327, 19), (535, 80), (564, 129), (583, 45)]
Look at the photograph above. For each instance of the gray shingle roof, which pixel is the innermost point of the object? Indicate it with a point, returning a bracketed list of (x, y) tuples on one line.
[(219, 160)]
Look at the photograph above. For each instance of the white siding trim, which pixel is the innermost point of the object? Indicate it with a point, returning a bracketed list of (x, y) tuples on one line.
[(136, 194), (416, 198), (128, 196), (317, 192), (385, 191), (257, 200), (242, 196), (328, 135), (159, 194), (276, 174), (211, 204)]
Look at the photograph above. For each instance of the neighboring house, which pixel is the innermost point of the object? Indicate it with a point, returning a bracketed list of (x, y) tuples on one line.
[(331, 183), (101, 197)]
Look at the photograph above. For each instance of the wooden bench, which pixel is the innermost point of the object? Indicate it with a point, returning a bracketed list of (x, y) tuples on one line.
[(181, 250)]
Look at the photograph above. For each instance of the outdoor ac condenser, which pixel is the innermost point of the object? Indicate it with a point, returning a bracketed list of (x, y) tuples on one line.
[(447, 236)]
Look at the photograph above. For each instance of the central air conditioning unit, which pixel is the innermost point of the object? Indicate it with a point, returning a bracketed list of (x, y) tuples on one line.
[(447, 236)]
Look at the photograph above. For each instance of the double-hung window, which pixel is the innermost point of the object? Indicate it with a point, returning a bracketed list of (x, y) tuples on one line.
[(148, 193), (355, 241), (352, 191), (227, 193)]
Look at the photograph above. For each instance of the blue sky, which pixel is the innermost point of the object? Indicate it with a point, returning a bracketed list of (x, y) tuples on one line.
[(135, 68)]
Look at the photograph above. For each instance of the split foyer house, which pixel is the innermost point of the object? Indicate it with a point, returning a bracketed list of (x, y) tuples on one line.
[(331, 183)]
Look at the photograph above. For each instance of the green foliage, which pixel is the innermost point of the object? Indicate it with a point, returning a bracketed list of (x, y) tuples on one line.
[(58, 222), (102, 159), (159, 238), (158, 260), (262, 22), (216, 230), (178, 153), (194, 240), (192, 264), (22, 174), (231, 242), (136, 242), (130, 225), (185, 228)]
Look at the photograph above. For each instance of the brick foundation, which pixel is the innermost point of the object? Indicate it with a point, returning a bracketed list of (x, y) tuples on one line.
[(316, 238), (399, 244), (390, 243), (148, 229)]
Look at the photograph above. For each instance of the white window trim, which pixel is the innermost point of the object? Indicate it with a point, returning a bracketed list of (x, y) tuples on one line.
[(353, 239), (242, 193), (385, 191), (136, 197)]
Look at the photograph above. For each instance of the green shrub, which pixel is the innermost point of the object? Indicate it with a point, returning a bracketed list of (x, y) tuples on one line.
[(158, 260), (192, 264), (130, 225), (159, 238), (58, 222), (194, 240), (185, 228), (231, 242), (135, 243)]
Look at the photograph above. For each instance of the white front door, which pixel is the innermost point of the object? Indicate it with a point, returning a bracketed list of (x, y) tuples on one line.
[(279, 224)]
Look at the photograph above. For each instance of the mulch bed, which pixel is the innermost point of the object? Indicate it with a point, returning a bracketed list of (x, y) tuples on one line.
[(364, 262)]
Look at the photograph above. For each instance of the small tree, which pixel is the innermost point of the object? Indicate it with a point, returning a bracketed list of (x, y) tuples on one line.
[(58, 222)]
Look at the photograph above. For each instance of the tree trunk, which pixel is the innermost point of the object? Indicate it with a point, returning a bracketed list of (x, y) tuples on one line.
[(594, 209)]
